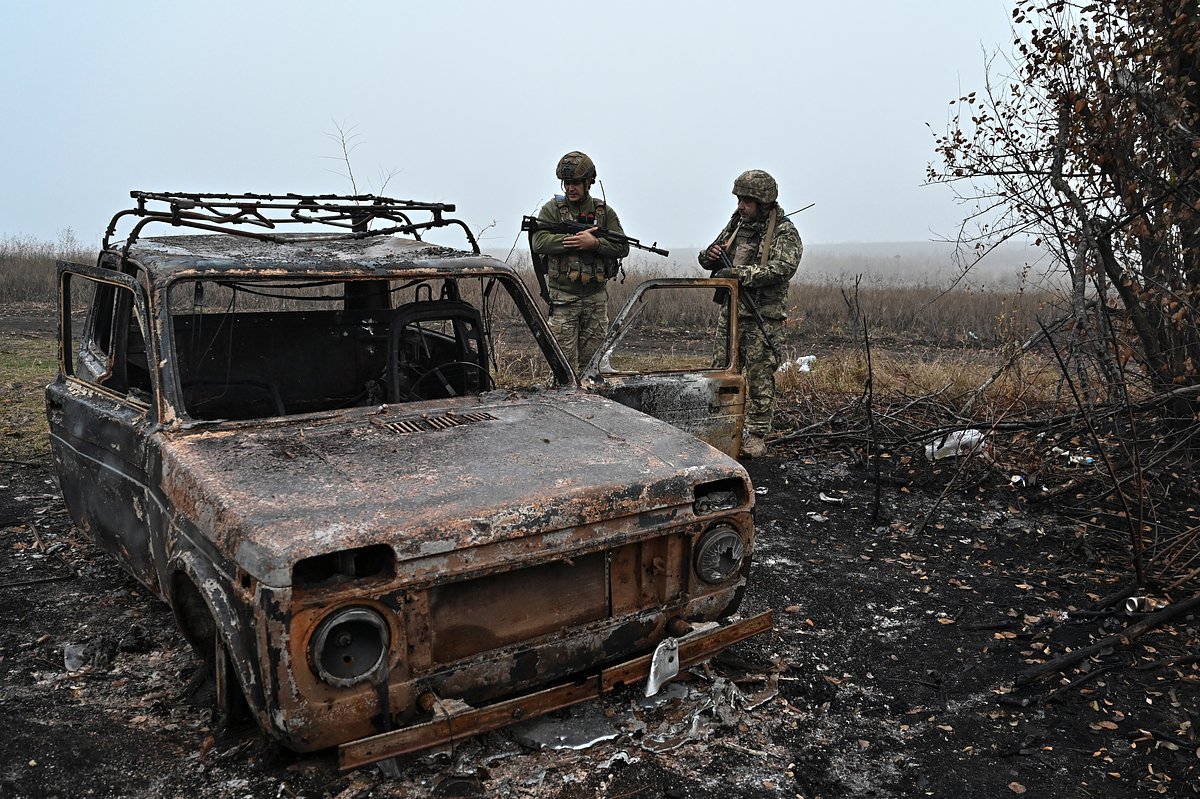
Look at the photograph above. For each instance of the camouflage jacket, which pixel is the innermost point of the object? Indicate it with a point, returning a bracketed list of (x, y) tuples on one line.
[(572, 271), (767, 285)]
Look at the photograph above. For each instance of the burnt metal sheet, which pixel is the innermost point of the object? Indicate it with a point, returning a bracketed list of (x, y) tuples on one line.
[(471, 616), (273, 495), (706, 405), (167, 258), (309, 714), (458, 726)]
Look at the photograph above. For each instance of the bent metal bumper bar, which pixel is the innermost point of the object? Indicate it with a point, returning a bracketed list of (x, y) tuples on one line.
[(458, 726)]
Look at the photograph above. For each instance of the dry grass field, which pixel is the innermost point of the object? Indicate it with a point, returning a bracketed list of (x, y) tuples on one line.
[(27, 363)]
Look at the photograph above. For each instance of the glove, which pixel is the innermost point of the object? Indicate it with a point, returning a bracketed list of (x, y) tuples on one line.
[(725, 272)]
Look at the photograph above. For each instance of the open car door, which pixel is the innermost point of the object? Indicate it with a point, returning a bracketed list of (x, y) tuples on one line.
[(671, 353)]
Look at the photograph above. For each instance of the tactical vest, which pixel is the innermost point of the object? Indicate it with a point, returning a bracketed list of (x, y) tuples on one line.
[(752, 244), (584, 268)]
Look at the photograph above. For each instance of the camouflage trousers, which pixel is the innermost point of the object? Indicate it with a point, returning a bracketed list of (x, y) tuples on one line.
[(578, 324), (758, 364)]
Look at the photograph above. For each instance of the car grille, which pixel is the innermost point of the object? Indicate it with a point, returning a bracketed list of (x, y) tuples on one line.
[(473, 616)]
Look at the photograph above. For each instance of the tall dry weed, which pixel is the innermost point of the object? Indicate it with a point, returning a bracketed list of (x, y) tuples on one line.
[(822, 312), (27, 271), (832, 312)]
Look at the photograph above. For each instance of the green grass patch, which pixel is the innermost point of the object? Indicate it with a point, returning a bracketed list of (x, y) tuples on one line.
[(27, 364)]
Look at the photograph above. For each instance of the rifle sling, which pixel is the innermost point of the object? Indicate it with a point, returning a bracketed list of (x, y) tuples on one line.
[(768, 237)]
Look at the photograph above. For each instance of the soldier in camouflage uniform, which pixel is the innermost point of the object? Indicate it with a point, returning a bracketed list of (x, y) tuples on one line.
[(578, 265), (764, 248)]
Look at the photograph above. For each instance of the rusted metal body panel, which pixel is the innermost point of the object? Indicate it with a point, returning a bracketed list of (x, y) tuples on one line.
[(710, 408), (449, 728), (489, 575), (309, 715), (709, 404), (346, 570), (276, 495)]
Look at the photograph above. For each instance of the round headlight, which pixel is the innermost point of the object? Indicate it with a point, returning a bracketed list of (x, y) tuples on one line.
[(719, 555), (349, 646)]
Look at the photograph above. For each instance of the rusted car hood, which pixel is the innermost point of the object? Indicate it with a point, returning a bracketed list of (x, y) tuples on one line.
[(429, 481)]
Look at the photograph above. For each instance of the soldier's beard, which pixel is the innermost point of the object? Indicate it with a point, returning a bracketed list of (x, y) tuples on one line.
[(762, 213)]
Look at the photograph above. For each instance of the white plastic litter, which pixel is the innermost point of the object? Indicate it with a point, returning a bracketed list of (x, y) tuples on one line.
[(1074, 458), (960, 442), (803, 363), (75, 657)]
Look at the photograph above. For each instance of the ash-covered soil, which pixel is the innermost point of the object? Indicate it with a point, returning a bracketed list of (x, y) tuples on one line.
[(891, 671)]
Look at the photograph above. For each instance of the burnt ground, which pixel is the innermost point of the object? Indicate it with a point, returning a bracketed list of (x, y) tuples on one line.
[(897, 668)]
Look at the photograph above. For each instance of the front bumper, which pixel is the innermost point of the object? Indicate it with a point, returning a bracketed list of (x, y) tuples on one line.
[(460, 725)]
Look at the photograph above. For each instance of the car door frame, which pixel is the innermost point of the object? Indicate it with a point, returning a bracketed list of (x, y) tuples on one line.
[(708, 403), (102, 432)]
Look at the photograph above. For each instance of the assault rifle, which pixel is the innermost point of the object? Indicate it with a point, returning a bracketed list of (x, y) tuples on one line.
[(531, 225), (721, 263)]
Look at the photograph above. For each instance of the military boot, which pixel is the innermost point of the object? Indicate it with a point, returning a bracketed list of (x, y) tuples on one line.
[(753, 446)]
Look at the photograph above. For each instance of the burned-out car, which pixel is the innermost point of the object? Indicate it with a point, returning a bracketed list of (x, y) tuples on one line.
[(360, 471)]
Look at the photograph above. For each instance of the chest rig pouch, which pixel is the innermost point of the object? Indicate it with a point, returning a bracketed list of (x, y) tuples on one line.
[(752, 240), (584, 268)]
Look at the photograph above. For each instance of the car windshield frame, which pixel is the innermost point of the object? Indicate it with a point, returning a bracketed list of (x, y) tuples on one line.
[(501, 299)]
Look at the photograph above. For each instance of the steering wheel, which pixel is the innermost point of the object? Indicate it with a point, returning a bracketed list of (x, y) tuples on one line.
[(438, 371)]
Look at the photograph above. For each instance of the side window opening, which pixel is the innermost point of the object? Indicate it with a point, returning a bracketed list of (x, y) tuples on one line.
[(673, 329), (100, 322), (137, 361), (78, 298), (106, 344)]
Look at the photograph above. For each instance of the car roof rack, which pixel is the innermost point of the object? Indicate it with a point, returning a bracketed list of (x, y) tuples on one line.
[(227, 213)]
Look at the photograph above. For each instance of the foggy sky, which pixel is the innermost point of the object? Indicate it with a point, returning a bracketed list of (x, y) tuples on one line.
[(473, 103)]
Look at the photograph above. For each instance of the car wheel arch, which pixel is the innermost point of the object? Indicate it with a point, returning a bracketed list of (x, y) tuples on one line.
[(207, 615)]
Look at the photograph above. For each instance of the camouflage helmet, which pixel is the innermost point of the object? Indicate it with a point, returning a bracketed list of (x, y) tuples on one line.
[(575, 166), (758, 185)]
